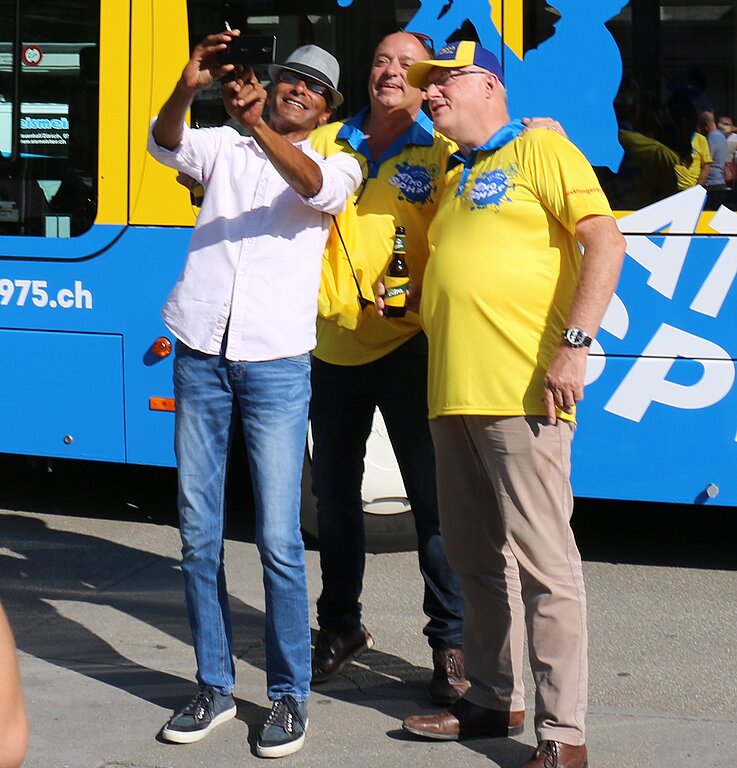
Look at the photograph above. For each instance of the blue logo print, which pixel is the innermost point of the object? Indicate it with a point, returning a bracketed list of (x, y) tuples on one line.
[(490, 189), (414, 183)]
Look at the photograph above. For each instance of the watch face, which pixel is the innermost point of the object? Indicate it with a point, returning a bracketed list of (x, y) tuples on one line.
[(576, 337)]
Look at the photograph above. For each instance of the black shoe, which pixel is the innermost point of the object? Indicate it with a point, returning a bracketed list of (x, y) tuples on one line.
[(448, 682), (333, 651), (284, 730), (195, 720)]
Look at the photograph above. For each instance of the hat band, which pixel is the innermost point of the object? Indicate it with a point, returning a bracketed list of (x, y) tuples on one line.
[(315, 74)]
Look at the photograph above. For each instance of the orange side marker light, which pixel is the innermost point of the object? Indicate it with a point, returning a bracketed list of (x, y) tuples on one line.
[(162, 404), (161, 347)]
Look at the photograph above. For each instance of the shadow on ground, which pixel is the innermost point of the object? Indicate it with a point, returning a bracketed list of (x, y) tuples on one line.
[(637, 533)]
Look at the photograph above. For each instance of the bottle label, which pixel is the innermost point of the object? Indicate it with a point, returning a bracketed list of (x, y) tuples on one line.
[(399, 246), (396, 291)]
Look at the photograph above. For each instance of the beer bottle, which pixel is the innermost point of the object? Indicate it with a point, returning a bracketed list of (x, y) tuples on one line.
[(396, 279)]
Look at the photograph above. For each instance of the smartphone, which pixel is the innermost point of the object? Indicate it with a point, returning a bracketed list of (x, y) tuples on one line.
[(250, 49)]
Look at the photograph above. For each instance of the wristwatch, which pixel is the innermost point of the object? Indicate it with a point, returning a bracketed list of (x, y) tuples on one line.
[(577, 338)]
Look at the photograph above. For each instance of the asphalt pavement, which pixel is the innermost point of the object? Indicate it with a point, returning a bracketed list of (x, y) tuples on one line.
[(89, 576)]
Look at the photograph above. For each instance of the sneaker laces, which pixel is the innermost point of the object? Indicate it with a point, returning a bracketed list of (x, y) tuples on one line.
[(283, 713), (200, 705)]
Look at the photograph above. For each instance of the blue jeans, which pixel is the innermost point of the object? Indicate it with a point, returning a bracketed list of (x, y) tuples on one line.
[(273, 398), (343, 402)]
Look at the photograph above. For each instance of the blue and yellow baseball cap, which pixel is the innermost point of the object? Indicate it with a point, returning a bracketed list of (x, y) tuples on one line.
[(453, 56)]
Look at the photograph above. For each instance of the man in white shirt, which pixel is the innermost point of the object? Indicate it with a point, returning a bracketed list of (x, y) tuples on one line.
[(243, 312)]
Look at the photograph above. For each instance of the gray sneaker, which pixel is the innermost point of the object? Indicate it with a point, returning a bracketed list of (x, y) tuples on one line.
[(194, 721), (284, 730)]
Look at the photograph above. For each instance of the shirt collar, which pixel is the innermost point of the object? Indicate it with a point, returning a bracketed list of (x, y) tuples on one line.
[(419, 133), (503, 136)]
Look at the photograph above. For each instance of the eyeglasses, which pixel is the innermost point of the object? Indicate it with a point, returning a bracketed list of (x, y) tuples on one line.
[(311, 85), (446, 78)]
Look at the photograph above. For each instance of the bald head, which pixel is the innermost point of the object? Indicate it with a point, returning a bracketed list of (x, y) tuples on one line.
[(417, 45), (389, 91), (707, 124), (724, 124)]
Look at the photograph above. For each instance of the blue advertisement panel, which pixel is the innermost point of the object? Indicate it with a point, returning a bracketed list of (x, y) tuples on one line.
[(115, 295), (659, 419)]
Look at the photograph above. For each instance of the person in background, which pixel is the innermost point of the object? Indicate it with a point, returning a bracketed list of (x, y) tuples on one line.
[(726, 126), (717, 188), (510, 306), (647, 172), (243, 312), (684, 138), (13, 720), (717, 147)]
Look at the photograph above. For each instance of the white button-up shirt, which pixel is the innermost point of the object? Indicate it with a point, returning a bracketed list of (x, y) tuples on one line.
[(255, 257)]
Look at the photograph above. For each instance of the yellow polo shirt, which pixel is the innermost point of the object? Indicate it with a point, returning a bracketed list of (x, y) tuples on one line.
[(503, 269), (401, 188), (701, 154)]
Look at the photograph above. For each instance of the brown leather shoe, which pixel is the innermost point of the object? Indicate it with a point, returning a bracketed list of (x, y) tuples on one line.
[(464, 721), (555, 754), (333, 651), (448, 682)]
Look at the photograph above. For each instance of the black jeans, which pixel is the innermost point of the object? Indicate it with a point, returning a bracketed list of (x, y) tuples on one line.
[(343, 402)]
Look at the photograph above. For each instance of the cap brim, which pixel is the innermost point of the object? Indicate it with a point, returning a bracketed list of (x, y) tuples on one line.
[(418, 72), (336, 98)]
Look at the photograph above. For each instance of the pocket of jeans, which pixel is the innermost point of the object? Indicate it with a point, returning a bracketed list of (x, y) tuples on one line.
[(302, 360)]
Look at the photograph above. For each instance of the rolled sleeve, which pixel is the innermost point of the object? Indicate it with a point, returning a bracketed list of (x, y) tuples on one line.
[(168, 157), (196, 153), (341, 177)]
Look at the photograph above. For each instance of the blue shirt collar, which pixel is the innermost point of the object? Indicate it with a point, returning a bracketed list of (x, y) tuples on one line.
[(420, 133), (503, 136)]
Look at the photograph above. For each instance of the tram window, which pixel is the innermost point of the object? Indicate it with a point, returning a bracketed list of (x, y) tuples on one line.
[(629, 80), (678, 61), (49, 99)]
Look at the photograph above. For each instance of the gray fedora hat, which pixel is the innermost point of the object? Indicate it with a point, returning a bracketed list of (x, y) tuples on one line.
[(315, 63)]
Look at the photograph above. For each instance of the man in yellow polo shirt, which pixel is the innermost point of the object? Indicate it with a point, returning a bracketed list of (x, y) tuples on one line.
[(379, 364), (510, 306)]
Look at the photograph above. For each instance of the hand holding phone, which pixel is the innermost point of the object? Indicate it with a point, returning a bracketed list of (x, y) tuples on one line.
[(249, 49), (244, 97)]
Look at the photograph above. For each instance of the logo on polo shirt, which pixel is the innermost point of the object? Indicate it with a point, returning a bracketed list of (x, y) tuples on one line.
[(490, 188), (414, 182)]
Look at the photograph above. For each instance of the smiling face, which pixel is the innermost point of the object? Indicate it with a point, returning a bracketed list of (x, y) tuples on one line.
[(388, 87), (295, 110)]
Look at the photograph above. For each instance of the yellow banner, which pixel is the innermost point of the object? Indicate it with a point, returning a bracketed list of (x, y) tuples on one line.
[(509, 23)]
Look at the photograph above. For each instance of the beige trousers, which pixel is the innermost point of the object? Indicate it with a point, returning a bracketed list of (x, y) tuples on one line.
[(505, 509)]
